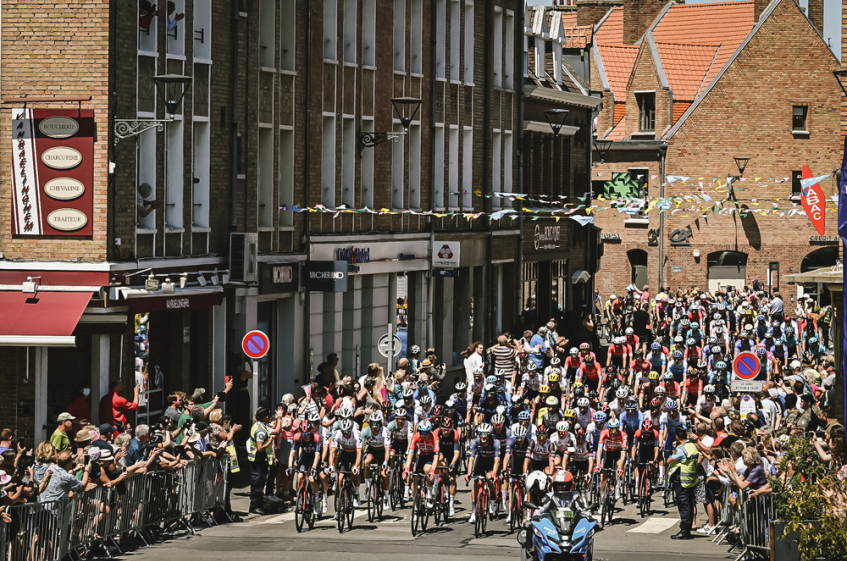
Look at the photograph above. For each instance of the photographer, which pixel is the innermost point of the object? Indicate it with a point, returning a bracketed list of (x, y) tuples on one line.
[(135, 452)]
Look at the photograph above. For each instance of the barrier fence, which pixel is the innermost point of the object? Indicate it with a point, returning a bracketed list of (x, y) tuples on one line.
[(50, 531), (748, 521)]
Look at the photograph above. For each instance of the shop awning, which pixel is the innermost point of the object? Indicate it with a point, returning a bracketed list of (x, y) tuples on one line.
[(45, 319), (580, 276), (141, 300)]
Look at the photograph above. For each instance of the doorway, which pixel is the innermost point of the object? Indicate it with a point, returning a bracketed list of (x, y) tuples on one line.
[(727, 268), (638, 267)]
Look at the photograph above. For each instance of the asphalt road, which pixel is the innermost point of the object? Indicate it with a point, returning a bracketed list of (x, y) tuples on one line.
[(629, 538)]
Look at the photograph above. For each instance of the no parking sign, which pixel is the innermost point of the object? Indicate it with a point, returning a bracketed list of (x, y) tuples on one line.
[(255, 344)]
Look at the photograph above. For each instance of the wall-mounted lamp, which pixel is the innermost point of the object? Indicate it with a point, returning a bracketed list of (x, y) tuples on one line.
[(215, 278), (183, 278), (696, 254), (168, 286), (151, 284), (201, 280)]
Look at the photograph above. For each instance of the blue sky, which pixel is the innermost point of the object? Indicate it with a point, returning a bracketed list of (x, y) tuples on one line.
[(831, 20)]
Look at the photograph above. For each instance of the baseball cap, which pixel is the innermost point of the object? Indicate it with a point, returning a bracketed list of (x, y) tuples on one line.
[(4, 477), (795, 364), (106, 428), (65, 417)]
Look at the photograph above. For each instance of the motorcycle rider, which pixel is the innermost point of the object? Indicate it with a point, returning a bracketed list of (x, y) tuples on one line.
[(561, 496)]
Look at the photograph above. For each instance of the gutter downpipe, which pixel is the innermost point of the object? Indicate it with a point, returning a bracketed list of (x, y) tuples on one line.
[(487, 203), (307, 165), (519, 77), (430, 281), (662, 219), (233, 221)]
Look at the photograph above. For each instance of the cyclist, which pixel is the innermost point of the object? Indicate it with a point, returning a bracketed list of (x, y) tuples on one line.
[(346, 455), (449, 442), (616, 406), (631, 418), (377, 445), (572, 364), (671, 386), (555, 364), (484, 464), (610, 456), (618, 353), (540, 459), (596, 427), (424, 409), (561, 441), (583, 412), (692, 387), (646, 449), (657, 357), (639, 369), (613, 311), (306, 450), (518, 446), (530, 382), (677, 367), (553, 384), (581, 459), (425, 448), (589, 372), (585, 351), (399, 431), (669, 423), (632, 339), (648, 391)]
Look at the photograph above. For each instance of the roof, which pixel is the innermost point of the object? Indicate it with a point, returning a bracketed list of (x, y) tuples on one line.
[(617, 62), (569, 73), (834, 274), (679, 108), (610, 31), (576, 36), (686, 66), (726, 24), (619, 132)]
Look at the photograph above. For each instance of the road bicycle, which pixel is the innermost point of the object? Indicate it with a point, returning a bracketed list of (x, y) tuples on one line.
[(630, 486), (646, 479), (667, 492), (396, 486), (482, 501), (419, 517), (344, 502), (441, 497), (304, 509), (517, 495), (608, 508), (375, 493)]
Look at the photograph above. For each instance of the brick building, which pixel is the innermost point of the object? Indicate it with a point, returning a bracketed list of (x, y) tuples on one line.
[(682, 98)]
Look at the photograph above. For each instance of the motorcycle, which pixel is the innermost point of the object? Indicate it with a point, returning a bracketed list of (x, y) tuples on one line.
[(559, 535)]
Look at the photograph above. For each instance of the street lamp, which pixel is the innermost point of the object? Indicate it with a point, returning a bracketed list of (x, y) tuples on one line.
[(556, 118), (841, 76), (173, 88), (602, 146), (406, 108), (741, 164)]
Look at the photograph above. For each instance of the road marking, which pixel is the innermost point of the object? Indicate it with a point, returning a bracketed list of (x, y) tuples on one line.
[(655, 526), (279, 519)]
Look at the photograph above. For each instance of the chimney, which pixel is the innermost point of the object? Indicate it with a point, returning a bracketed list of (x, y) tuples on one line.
[(589, 12), (637, 17), (816, 14), (759, 7)]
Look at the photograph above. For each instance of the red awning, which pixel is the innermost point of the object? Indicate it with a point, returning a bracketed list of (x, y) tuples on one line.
[(51, 314)]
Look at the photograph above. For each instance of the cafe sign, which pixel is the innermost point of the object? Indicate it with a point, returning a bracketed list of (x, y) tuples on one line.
[(52, 172), (547, 237)]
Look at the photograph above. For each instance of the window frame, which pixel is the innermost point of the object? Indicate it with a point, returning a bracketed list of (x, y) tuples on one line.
[(805, 128), (640, 98)]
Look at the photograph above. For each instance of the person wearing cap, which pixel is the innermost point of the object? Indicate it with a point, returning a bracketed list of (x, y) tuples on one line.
[(114, 407), (260, 454), (327, 371), (810, 418), (682, 470), (60, 439)]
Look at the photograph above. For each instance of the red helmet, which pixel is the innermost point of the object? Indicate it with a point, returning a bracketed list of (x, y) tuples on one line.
[(542, 430), (647, 425), (437, 411), (446, 423), (656, 403), (580, 432)]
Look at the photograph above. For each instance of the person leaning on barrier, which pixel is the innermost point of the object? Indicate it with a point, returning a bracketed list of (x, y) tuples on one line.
[(755, 482), (59, 481)]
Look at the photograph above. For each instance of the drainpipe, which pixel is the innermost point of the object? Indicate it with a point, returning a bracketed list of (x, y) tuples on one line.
[(234, 58), (488, 274), (662, 219), (430, 304), (307, 165), (518, 81), (111, 249)]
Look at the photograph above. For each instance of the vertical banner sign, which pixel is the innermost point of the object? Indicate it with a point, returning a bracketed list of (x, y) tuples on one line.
[(52, 172), (842, 231), (813, 201)]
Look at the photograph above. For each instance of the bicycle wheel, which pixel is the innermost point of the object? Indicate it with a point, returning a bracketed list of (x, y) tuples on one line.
[(485, 509), (645, 495), (666, 494), (340, 501), (300, 509), (480, 515), (349, 508), (610, 506), (445, 503), (414, 517), (371, 505), (514, 509), (424, 509), (379, 494), (312, 512), (438, 498)]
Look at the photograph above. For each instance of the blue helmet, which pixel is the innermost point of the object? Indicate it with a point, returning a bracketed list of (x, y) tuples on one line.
[(614, 424), (656, 346), (524, 416), (695, 325), (671, 405), (599, 417), (720, 365), (677, 354), (425, 426), (761, 351)]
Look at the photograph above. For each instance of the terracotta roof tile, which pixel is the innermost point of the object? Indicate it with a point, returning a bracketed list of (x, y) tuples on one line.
[(611, 32), (620, 111), (680, 107), (619, 132), (618, 61), (569, 18), (725, 23), (686, 66)]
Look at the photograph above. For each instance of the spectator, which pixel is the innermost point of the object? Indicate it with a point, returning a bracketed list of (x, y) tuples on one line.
[(141, 381), (114, 407), (45, 455), (539, 347), (135, 451), (101, 439), (172, 21), (144, 204), (473, 360), (327, 372), (81, 406), (755, 481), (777, 308), (6, 438), (504, 357), (60, 439), (146, 12), (59, 481)]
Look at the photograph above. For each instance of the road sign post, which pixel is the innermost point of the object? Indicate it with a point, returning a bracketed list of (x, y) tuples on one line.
[(389, 346), (746, 367)]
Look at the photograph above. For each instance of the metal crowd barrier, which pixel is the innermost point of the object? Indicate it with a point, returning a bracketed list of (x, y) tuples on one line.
[(749, 521), (50, 531)]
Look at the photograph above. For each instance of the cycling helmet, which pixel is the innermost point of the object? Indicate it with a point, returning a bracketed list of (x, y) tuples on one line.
[(760, 318), (408, 392), (426, 401), (584, 346), (425, 426), (524, 416), (614, 424), (647, 425), (376, 418), (713, 340), (660, 390), (702, 364), (621, 393), (629, 331), (461, 386), (446, 423), (449, 406), (555, 361), (677, 355), (717, 316), (620, 340), (691, 342), (672, 405), (491, 380), (789, 330), (531, 367), (720, 365), (631, 404), (344, 413), (589, 358), (655, 403), (579, 433), (613, 297), (668, 377), (562, 481), (745, 333), (501, 410), (656, 346), (574, 351), (414, 350), (437, 410), (616, 384), (761, 351), (553, 376), (694, 325), (520, 432), (582, 402), (346, 425), (812, 340), (569, 414), (542, 430), (498, 419), (543, 388), (593, 395), (769, 333), (516, 399), (563, 426), (719, 331), (679, 339), (314, 417), (489, 389), (599, 417), (578, 390), (685, 322), (653, 375), (716, 350), (478, 372), (777, 342), (709, 389), (551, 401)]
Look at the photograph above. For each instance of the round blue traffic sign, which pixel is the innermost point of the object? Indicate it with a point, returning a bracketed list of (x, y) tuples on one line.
[(746, 366)]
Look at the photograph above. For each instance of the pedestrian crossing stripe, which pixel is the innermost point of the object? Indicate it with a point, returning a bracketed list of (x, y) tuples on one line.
[(655, 526)]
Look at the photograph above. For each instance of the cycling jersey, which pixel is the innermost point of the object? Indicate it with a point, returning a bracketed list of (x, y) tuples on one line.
[(399, 435), (632, 341), (379, 440), (612, 443), (631, 420), (502, 438), (539, 451), (670, 425), (483, 452), (424, 445), (616, 407), (590, 373), (448, 441), (620, 350), (307, 443), (517, 451), (531, 381), (657, 360), (561, 445), (422, 414), (349, 443), (584, 419), (693, 386), (581, 452)]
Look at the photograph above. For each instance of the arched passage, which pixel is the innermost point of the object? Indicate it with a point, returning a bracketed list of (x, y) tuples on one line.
[(727, 268)]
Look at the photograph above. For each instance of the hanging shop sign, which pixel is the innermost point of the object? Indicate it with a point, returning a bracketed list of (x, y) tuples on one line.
[(278, 278), (52, 172), (446, 254), (814, 202), (325, 276)]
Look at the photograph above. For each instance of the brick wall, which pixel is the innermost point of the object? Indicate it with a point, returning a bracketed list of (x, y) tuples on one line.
[(589, 12), (644, 77), (57, 49), (637, 17)]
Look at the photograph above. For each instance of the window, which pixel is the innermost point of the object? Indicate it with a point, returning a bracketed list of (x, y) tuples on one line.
[(203, 29), (438, 180), (147, 174), (509, 36), (453, 176), (498, 47), (176, 29), (798, 118), (399, 35), (397, 160), (415, 166), (469, 42), (330, 29), (796, 188), (328, 162), (467, 169), (367, 169), (146, 31), (440, 38), (350, 30), (287, 35), (496, 166), (175, 172), (540, 49), (348, 162), (416, 22), (455, 38), (368, 32), (646, 111), (265, 178), (286, 175), (202, 143), (560, 285), (507, 162), (267, 24)]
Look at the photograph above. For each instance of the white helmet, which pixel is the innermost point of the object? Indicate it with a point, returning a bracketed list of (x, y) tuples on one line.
[(582, 402), (613, 297), (537, 478), (629, 331), (660, 390), (563, 426), (621, 393)]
